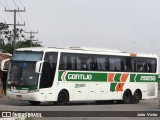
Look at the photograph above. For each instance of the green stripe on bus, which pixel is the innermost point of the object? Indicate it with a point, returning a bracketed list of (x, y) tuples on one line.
[(81, 76), (132, 76), (102, 77), (143, 78), (113, 87), (117, 77)]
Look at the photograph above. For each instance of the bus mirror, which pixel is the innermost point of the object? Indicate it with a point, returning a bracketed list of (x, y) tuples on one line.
[(38, 67), (4, 64)]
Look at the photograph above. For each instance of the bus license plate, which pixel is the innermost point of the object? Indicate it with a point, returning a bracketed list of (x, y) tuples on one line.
[(19, 96)]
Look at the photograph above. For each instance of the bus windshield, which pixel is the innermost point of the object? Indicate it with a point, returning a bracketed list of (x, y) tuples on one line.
[(27, 56), (22, 70)]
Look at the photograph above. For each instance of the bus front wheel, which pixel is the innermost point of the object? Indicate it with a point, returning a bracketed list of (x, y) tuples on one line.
[(63, 98)]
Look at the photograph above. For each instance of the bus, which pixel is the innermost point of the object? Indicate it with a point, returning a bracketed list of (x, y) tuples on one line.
[(69, 74)]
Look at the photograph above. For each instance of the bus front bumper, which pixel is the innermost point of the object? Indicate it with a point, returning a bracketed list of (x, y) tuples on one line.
[(25, 97)]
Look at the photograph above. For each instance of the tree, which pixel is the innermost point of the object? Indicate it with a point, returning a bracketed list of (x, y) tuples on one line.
[(6, 39), (3, 32)]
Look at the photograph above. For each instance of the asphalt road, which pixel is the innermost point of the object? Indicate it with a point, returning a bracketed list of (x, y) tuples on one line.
[(144, 105)]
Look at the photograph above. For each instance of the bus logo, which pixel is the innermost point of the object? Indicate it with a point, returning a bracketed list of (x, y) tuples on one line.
[(75, 76), (63, 77)]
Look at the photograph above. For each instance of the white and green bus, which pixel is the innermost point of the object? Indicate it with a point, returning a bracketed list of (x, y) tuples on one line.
[(70, 74)]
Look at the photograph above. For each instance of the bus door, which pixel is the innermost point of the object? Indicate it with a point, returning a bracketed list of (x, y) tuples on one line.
[(48, 70)]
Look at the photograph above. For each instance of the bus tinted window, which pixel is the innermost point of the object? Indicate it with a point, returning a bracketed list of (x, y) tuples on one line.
[(86, 61), (76, 61), (127, 64), (116, 64), (139, 64), (101, 62), (143, 65), (68, 62), (151, 65)]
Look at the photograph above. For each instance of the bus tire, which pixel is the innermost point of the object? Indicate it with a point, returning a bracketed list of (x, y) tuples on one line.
[(34, 102), (63, 98), (127, 97), (137, 96)]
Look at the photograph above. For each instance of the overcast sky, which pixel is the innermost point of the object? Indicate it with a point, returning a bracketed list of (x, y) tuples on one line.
[(127, 25)]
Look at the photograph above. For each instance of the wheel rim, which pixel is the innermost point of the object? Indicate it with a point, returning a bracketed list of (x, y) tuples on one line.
[(62, 97), (126, 96), (137, 96)]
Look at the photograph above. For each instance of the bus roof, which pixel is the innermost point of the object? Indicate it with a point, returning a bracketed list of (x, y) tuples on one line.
[(85, 49)]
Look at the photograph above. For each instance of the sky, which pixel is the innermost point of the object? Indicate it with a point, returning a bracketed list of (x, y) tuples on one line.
[(126, 25)]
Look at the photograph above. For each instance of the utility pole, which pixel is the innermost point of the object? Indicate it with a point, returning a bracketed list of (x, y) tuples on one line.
[(31, 37), (14, 29)]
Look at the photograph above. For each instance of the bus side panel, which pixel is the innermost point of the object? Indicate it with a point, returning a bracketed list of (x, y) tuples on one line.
[(106, 94), (80, 91), (134, 86), (148, 90), (94, 91), (152, 90), (68, 86)]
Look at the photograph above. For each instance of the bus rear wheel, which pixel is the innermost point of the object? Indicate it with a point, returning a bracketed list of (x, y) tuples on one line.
[(63, 98), (34, 102), (137, 96), (127, 97)]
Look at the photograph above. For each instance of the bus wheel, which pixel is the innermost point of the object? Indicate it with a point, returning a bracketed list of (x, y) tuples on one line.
[(63, 98), (137, 96), (34, 102), (127, 97)]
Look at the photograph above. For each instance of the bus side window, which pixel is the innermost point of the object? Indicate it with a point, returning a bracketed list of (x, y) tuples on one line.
[(85, 61), (111, 64), (145, 66), (94, 64), (89, 64), (101, 63), (73, 62), (127, 64), (115, 64), (151, 65), (78, 63), (63, 62), (133, 65), (140, 65), (122, 64), (107, 64)]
